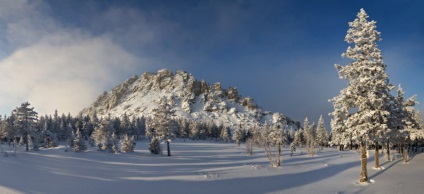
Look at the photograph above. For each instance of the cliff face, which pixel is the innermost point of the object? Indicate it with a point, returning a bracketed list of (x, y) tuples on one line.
[(192, 99)]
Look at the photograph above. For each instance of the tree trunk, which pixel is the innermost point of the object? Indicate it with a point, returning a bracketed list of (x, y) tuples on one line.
[(405, 154), (377, 156), (388, 151), (168, 148), (26, 140), (279, 154), (364, 175)]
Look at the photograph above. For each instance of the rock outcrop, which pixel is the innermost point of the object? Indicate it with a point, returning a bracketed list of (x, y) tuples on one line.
[(192, 99)]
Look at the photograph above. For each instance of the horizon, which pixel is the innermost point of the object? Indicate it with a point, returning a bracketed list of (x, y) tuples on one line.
[(57, 55)]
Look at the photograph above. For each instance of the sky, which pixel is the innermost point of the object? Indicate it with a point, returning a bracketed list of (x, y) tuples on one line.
[(63, 54)]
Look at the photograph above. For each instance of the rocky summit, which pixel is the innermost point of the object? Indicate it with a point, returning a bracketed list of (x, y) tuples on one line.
[(190, 98)]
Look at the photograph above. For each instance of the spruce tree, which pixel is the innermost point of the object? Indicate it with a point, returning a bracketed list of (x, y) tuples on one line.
[(322, 134), (310, 136), (362, 109), (6, 130), (238, 135), (102, 135), (225, 134), (194, 130), (162, 123), (298, 138), (79, 143), (408, 122), (25, 122), (154, 146), (127, 144)]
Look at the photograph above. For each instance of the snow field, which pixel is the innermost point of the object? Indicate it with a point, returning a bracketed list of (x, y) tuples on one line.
[(203, 167)]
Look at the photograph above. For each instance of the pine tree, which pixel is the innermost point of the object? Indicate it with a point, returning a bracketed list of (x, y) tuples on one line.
[(154, 146), (238, 135), (408, 121), (203, 134), (113, 144), (79, 143), (127, 144), (298, 138), (225, 134), (149, 130), (310, 137), (70, 135), (26, 119), (6, 130), (184, 128), (194, 130), (125, 125), (361, 110), (322, 134), (162, 123), (102, 135)]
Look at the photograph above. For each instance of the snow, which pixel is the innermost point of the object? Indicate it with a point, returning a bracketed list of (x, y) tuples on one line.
[(202, 167), (139, 96)]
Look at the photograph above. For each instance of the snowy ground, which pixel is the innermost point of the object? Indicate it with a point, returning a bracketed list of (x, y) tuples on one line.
[(202, 167)]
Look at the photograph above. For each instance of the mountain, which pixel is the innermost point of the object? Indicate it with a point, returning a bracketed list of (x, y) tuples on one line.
[(190, 98)]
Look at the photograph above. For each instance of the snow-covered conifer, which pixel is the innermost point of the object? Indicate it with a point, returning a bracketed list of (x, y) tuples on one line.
[(238, 135), (408, 122), (298, 138), (162, 123), (184, 128), (361, 110), (102, 135), (70, 136), (6, 130), (225, 134), (194, 130), (322, 133), (25, 122), (114, 144), (154, 146), (79, 143), (125, 125), (310, 137), (127, 144)]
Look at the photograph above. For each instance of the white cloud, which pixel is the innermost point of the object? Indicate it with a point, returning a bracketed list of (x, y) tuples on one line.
[(55, 67)]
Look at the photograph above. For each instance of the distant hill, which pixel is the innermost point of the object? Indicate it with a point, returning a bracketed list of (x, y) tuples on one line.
[(190, 98)]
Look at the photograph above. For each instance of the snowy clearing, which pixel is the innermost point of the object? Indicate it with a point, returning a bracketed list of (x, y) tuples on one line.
[(202, 167)]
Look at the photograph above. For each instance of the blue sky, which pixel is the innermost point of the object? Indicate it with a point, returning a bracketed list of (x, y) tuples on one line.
[(63, 54)]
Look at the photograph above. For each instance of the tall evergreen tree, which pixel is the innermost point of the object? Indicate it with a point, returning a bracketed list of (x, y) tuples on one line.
[(194, 130), (162, 123), (298, 138), (361, 110), (102, 135), (310, 137), (127, 144), (238, 135), (26, 120), (6, 129), (322, 133), (225, 134), (79, 143), (408, 122)]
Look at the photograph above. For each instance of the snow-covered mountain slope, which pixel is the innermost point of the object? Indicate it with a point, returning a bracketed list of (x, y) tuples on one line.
[(190, 98)]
